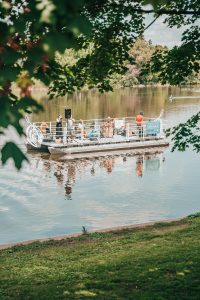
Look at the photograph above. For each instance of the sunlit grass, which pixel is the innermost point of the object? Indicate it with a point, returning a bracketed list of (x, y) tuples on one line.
[(156, 262)]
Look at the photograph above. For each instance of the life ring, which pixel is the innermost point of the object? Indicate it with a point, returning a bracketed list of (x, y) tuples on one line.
[(34, 136)]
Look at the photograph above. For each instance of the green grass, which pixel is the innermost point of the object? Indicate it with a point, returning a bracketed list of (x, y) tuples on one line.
[(156, 262)]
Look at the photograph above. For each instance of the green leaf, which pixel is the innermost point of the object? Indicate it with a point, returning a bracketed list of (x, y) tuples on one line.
[(9, 73), (10, 150), (10, 56), (29, 103)]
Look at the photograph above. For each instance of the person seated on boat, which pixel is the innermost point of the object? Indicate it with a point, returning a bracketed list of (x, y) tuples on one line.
[(80, 125), (108, 128), (139, 121), (93, 134), (80, 129), (44, 128)]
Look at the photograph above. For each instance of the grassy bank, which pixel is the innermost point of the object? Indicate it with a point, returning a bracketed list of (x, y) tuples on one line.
[(155, 262)]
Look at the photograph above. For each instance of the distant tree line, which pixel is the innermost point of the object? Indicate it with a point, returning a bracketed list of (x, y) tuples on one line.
[(142, 68)]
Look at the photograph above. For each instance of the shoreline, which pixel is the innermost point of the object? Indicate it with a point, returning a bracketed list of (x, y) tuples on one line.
[(78, 234)]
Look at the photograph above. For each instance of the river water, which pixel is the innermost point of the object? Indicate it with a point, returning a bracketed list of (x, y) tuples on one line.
[(49, 197)]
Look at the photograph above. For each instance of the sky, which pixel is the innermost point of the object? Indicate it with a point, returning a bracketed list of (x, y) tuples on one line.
[(160, 34)]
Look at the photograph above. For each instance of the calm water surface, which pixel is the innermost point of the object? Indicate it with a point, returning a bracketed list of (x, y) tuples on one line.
[(51, 197)]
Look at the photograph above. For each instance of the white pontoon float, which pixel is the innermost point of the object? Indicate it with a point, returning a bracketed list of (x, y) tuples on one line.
[(96, 136)]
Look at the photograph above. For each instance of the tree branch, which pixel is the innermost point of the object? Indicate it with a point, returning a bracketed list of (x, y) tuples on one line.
[(169, 11), (151, 23)]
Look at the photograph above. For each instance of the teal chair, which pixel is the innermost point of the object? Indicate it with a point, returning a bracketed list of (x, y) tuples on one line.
[(153, 127)]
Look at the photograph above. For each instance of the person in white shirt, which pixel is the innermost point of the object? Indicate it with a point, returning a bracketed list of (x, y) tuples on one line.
[(70, 127)]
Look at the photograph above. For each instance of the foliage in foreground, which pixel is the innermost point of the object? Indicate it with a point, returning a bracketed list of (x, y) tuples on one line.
[(31, 31), (156, 262), (186, 134)]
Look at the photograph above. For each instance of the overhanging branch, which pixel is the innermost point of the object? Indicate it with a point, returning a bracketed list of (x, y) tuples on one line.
[(151, 23), (169, 11)]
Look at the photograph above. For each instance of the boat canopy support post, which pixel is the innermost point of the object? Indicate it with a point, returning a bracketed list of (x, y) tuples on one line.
[(127, 131)]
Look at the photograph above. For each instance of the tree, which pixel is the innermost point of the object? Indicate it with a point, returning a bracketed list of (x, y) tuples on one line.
[(31, 31), (186, 134), (141, 71)]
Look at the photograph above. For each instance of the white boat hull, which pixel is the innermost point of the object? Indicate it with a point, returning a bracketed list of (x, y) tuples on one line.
[(101, 149)]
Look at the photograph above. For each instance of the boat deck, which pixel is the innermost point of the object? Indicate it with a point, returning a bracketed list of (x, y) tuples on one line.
[(97, 136), (88, 147)]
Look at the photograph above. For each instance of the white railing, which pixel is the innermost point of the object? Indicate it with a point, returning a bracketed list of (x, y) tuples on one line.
[(102, 129)]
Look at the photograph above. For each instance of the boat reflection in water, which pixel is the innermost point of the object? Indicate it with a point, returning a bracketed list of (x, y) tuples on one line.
[(66, 172), (148, 162)]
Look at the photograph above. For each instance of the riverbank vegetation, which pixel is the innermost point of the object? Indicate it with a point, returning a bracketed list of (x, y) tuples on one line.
[(154, 262)]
